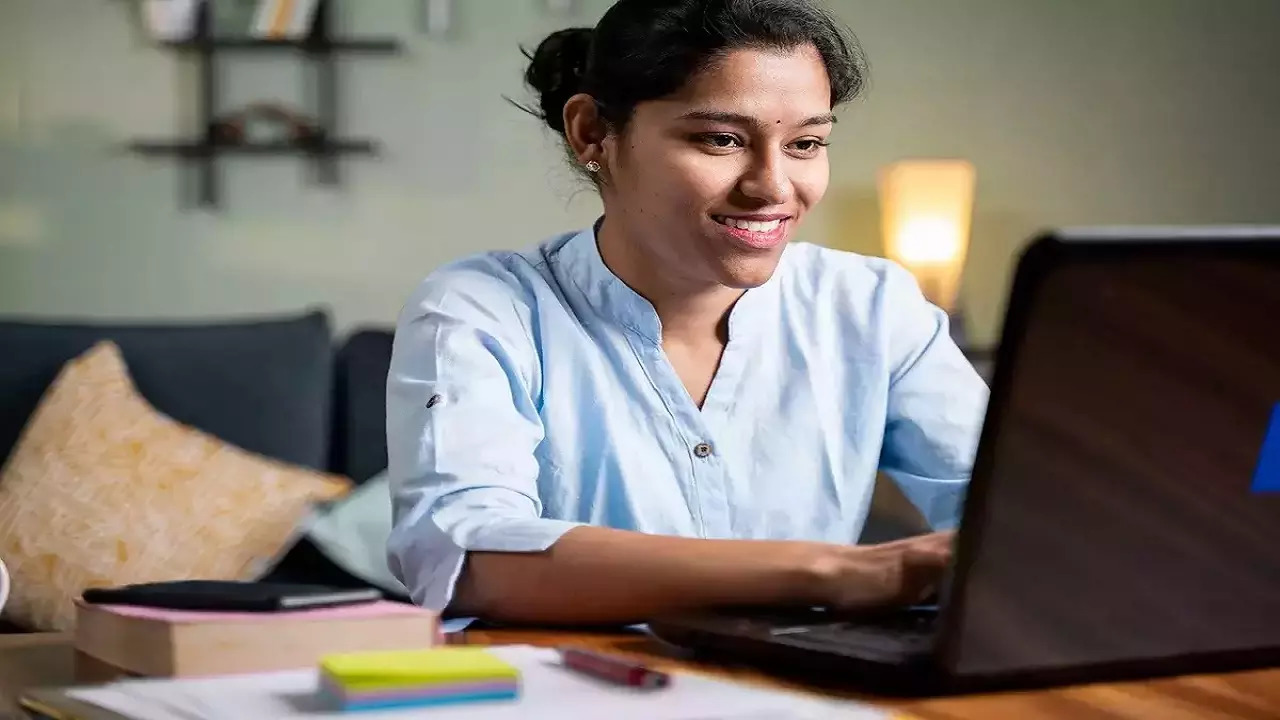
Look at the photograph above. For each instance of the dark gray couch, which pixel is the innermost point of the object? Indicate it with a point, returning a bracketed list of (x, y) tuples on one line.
[(281, 386)]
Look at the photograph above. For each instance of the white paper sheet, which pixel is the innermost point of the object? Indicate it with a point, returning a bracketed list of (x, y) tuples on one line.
[(548, 691)]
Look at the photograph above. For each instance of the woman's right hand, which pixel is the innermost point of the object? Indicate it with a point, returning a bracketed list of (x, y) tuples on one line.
[(873, 577)]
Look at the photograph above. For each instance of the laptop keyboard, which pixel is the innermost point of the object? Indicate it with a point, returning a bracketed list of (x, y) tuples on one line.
[(901, 634)]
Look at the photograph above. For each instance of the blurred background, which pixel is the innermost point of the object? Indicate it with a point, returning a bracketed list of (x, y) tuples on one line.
[(1080, 112)]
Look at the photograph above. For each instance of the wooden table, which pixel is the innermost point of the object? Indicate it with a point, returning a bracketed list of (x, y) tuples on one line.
[(31, 660), (47, 659), (1252, 695)]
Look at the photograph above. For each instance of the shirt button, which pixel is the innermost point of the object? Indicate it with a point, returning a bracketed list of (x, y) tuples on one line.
[(702, 450)]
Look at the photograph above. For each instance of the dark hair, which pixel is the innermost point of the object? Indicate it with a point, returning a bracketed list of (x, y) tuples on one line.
[(646, 49)]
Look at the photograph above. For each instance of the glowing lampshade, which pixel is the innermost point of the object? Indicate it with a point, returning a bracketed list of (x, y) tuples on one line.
[(926, 207)]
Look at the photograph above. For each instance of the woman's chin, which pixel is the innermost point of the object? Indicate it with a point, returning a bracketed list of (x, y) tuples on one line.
[(748, 271)]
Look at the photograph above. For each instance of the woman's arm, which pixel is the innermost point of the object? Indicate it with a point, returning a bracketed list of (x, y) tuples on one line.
[(937, 402), (600, 575)]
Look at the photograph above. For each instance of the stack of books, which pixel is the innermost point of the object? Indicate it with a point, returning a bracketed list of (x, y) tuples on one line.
[(155, 642), (421, 678)]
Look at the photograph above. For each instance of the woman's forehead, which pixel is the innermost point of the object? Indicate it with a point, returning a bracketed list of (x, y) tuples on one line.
[(773, 85)]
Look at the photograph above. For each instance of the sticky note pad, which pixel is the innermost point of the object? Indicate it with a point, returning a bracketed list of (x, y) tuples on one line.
[(435, 665), (414, 678)]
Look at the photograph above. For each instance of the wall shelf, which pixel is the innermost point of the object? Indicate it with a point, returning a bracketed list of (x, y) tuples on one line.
[(200, 148), (367, 45), (320, 48)]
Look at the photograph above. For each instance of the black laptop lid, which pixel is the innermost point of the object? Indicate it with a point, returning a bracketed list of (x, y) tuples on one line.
[(1125, 506)]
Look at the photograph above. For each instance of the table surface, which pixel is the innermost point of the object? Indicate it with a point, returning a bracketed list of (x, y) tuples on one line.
[(47, 659), (32, 660), (1254, 695)]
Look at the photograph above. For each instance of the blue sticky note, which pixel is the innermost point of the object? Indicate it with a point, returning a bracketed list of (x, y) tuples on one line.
[(1266, 477)]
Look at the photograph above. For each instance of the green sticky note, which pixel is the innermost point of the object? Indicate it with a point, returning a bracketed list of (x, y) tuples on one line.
[(398, 668)]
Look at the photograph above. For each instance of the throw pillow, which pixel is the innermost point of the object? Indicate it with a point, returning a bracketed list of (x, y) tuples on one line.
[(104, 490)]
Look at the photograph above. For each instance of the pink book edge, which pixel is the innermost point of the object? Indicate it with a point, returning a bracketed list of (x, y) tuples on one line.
[(379, 609)]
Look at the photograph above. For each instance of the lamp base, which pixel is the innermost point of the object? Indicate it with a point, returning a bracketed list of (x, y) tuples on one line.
[(958, 330), (983, 359)]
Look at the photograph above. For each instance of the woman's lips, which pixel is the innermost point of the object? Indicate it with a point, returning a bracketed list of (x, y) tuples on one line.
[(756, 232)]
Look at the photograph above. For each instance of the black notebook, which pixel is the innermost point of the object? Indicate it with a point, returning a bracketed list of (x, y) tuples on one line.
[(229, 596)]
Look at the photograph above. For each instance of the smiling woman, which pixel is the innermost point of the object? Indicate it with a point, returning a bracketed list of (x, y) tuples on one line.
[(677, 408), (714, 120)]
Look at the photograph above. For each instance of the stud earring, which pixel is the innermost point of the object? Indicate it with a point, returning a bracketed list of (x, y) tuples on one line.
[(592, 166)]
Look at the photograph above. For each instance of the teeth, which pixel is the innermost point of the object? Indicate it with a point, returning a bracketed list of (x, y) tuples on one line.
[(752, 225)]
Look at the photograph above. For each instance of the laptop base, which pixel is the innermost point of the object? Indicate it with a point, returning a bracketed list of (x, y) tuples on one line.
[(868, 658), (705, 638)]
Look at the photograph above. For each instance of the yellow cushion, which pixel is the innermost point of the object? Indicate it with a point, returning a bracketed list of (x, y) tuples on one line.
[(103, 490)]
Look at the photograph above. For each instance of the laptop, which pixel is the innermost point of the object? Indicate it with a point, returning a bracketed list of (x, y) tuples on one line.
[(1123, 516)]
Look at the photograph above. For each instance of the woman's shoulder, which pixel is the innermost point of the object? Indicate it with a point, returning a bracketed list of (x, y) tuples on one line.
[(861, 296), (491, 283), (492, 273), (826, 274)]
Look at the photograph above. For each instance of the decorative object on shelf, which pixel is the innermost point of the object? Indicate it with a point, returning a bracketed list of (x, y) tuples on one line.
[(234, 18), (171, 20), (436, 17), (561, 7), (284, 19), (266, 123), (926, 208), (315, 138)]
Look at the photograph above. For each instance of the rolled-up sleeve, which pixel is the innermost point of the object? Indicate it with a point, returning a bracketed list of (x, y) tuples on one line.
[(462, 430), (936, 405)]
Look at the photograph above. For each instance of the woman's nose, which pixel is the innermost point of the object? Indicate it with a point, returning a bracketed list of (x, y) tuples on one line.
[(766, 181)]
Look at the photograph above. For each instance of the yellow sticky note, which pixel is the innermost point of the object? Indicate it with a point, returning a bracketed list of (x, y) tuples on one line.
[(387, 669)]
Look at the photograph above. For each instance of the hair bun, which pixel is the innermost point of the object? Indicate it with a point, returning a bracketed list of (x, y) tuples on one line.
[(557, 70)]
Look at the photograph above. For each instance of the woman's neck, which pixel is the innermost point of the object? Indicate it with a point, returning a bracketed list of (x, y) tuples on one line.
[(690, 312)]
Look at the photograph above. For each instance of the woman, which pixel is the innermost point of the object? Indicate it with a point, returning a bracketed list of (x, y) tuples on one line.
[(676, 408)]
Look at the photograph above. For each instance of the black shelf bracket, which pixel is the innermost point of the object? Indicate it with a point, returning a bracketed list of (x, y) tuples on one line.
[(319, 47)]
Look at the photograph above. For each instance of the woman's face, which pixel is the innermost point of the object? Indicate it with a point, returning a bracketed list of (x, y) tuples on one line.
[(711, 183)]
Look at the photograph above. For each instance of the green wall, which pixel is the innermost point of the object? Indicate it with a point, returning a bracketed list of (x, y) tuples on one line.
[(1089, 111)]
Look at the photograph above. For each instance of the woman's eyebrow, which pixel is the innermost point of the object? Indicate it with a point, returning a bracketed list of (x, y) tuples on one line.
[(732, 118)]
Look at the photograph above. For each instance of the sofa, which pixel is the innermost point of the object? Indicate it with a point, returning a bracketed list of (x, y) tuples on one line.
[(282, 386)]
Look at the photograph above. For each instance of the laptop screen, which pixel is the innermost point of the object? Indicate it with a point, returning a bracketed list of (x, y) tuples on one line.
[(1125, 508)]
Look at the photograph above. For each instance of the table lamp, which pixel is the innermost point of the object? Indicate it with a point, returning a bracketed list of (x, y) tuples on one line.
[(926, 207)]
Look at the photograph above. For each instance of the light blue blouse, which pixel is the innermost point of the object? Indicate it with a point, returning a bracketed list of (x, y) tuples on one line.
[(529, 393)]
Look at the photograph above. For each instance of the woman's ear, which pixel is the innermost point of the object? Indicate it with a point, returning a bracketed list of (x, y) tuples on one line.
[(585, 130)]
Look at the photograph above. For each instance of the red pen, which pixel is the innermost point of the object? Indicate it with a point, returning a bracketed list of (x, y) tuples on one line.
[(614, 670)]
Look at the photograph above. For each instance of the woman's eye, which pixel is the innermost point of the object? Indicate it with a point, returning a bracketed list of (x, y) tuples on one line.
[(809, 146), (720, 141)]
